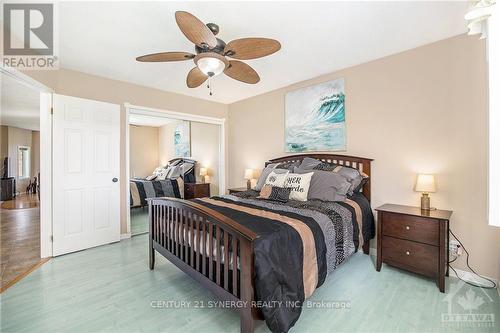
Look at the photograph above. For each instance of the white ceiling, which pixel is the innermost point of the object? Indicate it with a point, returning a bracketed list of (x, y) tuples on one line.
[(142, 120), (20, 104), (104, 38)]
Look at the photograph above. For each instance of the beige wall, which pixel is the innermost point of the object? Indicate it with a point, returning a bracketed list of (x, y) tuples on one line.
[(143, 150), (78, 84), (35, 153), (166, 145), (19, 137), (204, 149), (423, 110), (4, 143)]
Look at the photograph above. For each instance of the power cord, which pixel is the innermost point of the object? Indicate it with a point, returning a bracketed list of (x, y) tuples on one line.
[(493, 284)]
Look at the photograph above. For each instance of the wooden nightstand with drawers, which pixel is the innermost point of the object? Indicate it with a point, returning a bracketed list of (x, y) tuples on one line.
[(415, 240), (196, 190)]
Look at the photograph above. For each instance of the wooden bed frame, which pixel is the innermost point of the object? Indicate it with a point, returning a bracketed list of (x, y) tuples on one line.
[(176, 223)]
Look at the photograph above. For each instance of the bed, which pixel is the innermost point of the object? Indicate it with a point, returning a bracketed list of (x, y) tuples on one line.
[(253, 252), (142, 189)]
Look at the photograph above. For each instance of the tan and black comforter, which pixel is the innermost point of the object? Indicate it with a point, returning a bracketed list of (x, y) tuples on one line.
[(297, 245), (142, 189)]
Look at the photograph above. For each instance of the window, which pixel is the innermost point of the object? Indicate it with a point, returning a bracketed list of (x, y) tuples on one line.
[(494, 117), (23, 162)]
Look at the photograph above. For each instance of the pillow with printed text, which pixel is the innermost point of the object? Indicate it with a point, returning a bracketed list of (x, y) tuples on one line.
[(299, 185), (276, 179)]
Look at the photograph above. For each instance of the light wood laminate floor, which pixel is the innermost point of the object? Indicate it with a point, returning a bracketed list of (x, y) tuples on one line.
[(139, 221), (111, 289), (20, 238)]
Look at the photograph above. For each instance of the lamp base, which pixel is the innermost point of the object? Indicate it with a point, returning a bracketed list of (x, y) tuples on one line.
[(425, 202), (249, 184)]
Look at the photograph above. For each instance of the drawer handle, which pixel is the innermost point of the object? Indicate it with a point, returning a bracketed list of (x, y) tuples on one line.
[(407, 228), (407, 253)]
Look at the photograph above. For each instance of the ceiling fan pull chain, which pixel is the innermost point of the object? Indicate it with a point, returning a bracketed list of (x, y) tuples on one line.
[(209, 85)]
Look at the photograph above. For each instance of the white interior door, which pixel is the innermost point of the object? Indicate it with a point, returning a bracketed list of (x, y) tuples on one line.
[(86, 167)]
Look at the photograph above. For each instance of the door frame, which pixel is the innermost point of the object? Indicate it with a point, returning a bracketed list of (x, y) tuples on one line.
[(45, 155), (147, 111)]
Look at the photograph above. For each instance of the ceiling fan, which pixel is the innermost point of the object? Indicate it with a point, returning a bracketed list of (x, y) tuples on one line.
[(211, 52)]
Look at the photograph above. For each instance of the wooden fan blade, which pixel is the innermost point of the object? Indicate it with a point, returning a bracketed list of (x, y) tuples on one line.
[(195, 78), (251, 48), (240, 71), (166, 56), (195, 30)]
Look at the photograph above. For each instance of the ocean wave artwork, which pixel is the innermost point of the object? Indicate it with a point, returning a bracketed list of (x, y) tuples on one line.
[(182, 139), (315, 118)]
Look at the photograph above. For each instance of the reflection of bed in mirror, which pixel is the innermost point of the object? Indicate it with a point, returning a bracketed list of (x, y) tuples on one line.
[(165, 181)]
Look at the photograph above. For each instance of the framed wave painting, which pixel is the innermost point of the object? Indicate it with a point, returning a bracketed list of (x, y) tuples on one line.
[(182, 139), (315, 118)]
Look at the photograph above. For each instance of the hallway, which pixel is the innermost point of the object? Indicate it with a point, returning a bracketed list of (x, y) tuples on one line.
[(20, 238)]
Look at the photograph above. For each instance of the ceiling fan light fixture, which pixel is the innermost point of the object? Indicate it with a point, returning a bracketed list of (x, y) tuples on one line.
[(211, 66), (210, 63)]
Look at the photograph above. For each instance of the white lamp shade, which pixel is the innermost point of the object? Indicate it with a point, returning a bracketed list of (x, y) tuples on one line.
[(211, 65), (248, 173), (425, 183), (203, 171)]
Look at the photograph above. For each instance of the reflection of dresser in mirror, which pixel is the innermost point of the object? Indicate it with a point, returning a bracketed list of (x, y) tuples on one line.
[(7, 184), (7, 188)]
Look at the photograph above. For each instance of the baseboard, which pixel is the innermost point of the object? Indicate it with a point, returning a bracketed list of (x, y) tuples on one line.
[(125, 236)]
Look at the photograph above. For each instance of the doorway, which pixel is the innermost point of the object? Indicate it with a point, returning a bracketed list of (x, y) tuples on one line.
[(20, 183), (167, 151)]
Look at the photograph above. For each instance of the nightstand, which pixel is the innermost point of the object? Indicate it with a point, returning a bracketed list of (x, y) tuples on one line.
[(237, 190), (196, 190), (415, 240)]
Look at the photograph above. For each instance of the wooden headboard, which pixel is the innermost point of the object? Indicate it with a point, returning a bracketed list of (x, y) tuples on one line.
[(360, 163), (184, 159)]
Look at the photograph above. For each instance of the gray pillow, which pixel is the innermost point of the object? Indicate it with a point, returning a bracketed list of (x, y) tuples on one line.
[(265, 172), (175, 172), (288, 165), (309, 163), (186, 167), (326, 186), (177, 162), (352, 175)]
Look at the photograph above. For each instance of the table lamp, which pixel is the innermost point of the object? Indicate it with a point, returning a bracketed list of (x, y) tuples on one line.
[(425, 184), (203, 173), (249, 177)]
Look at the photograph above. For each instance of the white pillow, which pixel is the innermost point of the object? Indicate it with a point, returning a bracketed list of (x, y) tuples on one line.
[(299, 183), (162, 175), (157, 171), (276, 179)]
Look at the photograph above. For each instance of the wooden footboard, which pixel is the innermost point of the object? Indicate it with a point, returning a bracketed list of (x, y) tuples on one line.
[(208, 246)]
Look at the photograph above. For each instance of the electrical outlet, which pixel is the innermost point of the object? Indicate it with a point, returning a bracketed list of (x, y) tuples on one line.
[(455, 248)]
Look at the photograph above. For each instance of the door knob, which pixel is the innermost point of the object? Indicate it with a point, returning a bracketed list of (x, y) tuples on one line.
[(115, 180)]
